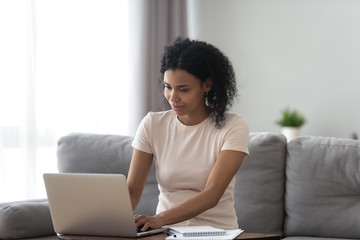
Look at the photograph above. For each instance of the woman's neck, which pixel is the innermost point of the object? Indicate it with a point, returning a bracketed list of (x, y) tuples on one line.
[(190, 120)]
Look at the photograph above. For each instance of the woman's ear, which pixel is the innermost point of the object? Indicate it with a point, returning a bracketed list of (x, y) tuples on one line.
[(208, 85)]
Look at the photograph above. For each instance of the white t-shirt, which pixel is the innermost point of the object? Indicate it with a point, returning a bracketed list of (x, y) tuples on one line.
[(184, 157)]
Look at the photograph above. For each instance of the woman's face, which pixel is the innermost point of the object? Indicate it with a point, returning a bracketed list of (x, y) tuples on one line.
[(186, 95)]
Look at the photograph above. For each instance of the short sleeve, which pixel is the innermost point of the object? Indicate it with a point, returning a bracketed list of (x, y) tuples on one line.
[(237, 135), (142, 140)]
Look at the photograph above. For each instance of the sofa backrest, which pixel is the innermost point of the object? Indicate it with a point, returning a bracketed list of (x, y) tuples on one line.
[(322, 178), (96, 153), (260, 184), (323, 188)]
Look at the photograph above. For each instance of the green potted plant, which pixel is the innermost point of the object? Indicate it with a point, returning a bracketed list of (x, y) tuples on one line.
[(290, 123)]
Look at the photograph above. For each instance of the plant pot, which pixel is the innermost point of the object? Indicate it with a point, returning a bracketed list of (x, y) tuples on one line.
[(290, 132)]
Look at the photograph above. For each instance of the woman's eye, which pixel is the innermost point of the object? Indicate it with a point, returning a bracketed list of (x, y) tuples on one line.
[(184, 90)]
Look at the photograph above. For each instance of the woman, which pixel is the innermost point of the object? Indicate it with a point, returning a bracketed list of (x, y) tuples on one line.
[(198, 147)]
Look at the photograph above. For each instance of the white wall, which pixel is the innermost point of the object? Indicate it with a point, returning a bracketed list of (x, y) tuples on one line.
[(304, 54)]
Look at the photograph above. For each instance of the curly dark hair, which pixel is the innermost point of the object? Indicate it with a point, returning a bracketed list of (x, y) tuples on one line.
[(204, 61)]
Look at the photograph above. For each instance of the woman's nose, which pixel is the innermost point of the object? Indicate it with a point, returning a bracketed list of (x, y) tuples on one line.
[(174, 97)]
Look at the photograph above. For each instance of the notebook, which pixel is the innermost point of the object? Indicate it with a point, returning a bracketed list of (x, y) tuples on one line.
[(91, 205), (190, 231), (229, 234)]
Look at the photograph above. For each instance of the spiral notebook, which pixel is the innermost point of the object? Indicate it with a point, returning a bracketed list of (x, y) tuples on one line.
[(202, 233), (192, 231)]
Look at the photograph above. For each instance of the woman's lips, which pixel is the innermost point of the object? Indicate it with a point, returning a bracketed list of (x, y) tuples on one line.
[(177, 108)]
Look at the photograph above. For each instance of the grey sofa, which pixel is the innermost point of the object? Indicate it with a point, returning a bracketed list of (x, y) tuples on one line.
[(307, 189)]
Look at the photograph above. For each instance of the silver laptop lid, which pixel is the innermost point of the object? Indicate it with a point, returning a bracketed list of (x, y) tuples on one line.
[(90, 204)]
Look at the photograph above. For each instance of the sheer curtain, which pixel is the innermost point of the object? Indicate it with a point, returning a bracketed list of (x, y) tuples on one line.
[(68, 66), (63, 68)]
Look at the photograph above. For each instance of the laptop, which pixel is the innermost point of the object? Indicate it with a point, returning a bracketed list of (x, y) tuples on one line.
[(91, 205)]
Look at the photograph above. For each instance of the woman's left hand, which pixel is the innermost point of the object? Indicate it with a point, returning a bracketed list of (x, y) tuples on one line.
[(148, 221)]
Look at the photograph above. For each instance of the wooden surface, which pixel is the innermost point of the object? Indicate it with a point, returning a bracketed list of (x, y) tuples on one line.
[(162, 236)]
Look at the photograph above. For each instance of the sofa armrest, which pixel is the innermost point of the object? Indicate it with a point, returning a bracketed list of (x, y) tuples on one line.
[(25, 219)]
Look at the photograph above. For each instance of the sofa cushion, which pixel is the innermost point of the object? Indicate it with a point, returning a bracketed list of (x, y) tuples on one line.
[(80, 152), (323, 188), (260, 184), (25, 219)]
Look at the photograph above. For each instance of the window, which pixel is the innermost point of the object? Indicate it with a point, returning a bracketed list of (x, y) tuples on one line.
[(64, 68)]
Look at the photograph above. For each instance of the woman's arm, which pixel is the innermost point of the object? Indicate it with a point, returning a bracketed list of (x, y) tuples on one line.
[(139, 169), (220, 176)]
